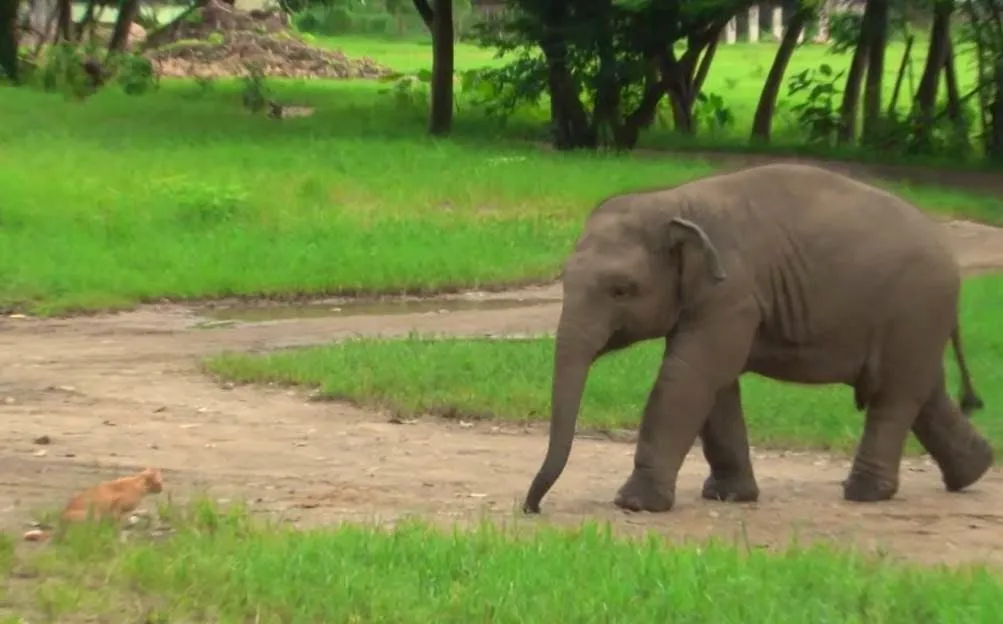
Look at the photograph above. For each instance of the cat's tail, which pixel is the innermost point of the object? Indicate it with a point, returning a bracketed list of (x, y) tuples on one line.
[(37, 535)]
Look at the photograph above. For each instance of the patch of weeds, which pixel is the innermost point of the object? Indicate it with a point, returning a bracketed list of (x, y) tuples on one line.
[(256, 93)]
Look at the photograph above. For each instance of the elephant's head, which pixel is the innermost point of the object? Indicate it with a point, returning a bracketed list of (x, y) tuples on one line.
[(624, 282)]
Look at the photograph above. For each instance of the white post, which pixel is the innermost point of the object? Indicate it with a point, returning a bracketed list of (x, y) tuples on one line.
[(754, 23), (731, 31), (777, 23)]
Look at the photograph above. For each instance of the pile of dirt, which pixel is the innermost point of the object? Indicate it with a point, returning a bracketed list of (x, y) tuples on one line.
[(217, 41)]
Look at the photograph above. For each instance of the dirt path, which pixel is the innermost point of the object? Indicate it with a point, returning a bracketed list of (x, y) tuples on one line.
[(115, 392)]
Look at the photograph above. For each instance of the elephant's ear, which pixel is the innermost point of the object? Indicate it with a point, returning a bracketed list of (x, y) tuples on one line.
[(682, 231)]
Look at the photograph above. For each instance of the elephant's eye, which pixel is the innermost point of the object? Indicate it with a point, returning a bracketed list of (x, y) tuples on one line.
[(623, 290)]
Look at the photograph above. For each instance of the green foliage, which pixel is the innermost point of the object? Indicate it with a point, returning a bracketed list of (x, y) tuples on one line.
[(612, 63), (411, 92), (256, 93), (135, 73), (712, 113), (818, 112), (844, 31), (944, 136), (408, 91), (61, 70)]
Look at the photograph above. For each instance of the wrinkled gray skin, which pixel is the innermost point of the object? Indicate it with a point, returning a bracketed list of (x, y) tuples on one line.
[(789, 271)]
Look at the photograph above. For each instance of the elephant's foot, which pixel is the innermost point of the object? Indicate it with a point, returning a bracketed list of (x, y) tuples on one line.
[(863, 488), (966, 466), (736, 488), (641, 493)]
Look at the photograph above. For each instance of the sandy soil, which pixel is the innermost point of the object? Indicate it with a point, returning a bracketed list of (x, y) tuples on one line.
[(115, 392)]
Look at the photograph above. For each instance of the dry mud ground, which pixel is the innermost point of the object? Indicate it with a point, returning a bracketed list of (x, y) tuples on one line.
[(116, 392)]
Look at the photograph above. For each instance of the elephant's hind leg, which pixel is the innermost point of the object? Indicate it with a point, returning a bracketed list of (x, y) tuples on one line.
[(961, 452), (875, 472), (911, 359), (725, 443)]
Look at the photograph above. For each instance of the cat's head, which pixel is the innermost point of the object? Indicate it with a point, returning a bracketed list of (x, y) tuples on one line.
[(153, 479)]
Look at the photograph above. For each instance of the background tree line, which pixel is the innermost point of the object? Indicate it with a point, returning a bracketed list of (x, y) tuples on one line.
[(607, 66), (610, 68)]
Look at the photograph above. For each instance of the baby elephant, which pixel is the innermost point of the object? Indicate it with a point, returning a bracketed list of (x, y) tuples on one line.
[(789, 271)]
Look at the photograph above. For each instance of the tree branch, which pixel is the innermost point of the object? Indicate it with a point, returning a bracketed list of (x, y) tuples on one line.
[(425, 11)]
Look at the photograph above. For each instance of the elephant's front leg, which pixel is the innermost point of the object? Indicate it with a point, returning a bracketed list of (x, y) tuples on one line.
[(725, 443), (696, 366)]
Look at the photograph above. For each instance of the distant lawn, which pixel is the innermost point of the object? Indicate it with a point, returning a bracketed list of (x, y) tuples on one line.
[(510, 380), (408, 55), (221, 567), (183, 194)]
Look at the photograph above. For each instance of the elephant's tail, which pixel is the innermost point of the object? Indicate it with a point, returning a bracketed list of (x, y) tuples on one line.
[(969, 400)]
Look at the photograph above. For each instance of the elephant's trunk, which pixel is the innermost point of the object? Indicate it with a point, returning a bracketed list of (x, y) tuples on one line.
[(575, 351)]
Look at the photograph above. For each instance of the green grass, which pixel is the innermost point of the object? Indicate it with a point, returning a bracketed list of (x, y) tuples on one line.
[(510, 380), (181, 194), (409, 55), (221, 567)]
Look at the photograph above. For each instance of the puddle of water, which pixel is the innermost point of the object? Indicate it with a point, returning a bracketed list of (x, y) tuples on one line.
[(221, 316)]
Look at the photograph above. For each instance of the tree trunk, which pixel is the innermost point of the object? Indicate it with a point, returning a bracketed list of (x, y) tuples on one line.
[(168, 32), (851, 93), (9, 41), (643, 116), (951, 83), (127, 12), (64, 30), (425, 11), (903, 68), (763, 122), (940, 41), (86, 21), (441, 115), (876, 27), (571, 128), (994, 149), (684, 79), (569, 120)]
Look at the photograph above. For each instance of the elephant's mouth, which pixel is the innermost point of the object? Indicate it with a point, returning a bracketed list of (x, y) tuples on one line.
[(619, 339)]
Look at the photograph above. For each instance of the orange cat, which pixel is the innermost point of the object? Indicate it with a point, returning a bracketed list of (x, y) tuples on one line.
[(107, 500)]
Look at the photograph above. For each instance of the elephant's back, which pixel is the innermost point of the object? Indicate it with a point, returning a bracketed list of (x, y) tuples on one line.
[(830, 212), (824, 247)]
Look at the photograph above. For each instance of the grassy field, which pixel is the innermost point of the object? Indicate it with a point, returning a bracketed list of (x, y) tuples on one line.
[(510, 380), (182, 194), (221, 567)]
